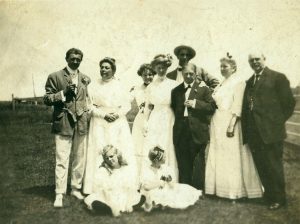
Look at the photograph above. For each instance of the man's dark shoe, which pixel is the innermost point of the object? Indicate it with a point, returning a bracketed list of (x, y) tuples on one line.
[(140, 203)]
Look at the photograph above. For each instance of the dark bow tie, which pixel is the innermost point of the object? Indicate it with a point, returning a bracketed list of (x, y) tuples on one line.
[(188, 87), (179, 69)]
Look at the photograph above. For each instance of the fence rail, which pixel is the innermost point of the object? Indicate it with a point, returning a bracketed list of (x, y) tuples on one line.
[(293, 125)]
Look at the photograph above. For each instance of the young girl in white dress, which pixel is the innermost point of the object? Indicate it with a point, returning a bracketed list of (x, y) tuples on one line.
[(159, 117), (159, 187), (114, 184), (139, 95)]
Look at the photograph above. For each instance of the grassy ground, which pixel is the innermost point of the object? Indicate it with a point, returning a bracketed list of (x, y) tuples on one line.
[(27, 185)]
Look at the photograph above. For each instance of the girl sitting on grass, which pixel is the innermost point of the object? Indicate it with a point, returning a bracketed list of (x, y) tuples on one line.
[(159, 187), (115, 188)]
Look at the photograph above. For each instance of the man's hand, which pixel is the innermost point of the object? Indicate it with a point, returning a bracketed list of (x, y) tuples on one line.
[(70, 89), (189, 103)]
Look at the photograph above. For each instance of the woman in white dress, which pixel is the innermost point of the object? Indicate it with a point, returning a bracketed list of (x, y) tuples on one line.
[(114, 184), (159, 117), (159, 187), (108, 125), (230, 170), (138, 93)]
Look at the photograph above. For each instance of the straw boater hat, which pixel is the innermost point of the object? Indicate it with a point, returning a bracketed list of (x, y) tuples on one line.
[(191, 51)]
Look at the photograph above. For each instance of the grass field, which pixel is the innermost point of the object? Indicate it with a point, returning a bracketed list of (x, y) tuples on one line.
[(27, 185)]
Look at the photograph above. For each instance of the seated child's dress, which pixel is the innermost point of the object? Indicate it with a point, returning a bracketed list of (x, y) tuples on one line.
[(169, 194), (116, 188)]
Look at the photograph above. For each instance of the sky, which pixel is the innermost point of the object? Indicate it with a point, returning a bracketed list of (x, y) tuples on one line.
[(35, 36)]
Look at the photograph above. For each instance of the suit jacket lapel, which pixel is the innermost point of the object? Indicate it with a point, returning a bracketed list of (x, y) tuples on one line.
[(79, 86), (261, 79), (193, 91), (181, 94), (172, 74), (67, 76)]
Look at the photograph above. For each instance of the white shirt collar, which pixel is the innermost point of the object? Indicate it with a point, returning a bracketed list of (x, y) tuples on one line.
[(260, 73), (186, 85), (71, 71)]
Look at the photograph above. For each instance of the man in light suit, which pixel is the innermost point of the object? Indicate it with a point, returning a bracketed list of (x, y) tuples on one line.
[(268, 103), (191, 103), (66, 90), (185, 54)]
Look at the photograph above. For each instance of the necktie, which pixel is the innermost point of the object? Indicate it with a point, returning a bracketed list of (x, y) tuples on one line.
[(256, 78)]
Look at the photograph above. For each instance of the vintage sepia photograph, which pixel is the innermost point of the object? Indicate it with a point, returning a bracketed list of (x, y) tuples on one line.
[(150, 111)]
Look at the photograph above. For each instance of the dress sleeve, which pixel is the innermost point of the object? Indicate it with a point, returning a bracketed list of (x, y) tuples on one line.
[(209, 80), (167, 171), (95, 109), (147, 109), (125, 100), (238, 94)]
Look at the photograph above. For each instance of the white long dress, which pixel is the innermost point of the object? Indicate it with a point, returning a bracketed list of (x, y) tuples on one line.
[(230, 170), (173, 195), (161, 121), (107, 97), (139, 95), (116, 189)]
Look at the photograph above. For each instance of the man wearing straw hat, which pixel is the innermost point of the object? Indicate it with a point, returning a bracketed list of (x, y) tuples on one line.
[(185, 54)]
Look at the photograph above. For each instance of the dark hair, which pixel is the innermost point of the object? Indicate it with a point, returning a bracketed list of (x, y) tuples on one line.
[(156, 154), (74, 51), (110, 61), (145, 67), (228, 59)]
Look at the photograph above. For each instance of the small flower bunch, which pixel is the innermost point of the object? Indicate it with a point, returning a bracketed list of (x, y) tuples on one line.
[(85, 80)]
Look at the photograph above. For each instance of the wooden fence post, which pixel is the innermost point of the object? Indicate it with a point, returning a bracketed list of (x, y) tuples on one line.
[(13, 102)]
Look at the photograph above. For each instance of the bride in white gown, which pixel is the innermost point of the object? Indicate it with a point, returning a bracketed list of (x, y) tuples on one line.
[(160, 118), (108, 123)]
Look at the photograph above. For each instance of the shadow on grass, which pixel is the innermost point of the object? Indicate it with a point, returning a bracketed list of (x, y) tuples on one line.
[(41, 191)]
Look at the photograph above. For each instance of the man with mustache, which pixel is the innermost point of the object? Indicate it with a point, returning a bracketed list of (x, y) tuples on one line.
[(268, 103), (66, 91), (192, 103)]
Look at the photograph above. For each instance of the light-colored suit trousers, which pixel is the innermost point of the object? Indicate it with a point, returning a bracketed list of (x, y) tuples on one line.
[(64, 144)]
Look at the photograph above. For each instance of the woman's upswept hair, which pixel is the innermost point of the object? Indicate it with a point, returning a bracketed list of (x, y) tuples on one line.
[(110, 61), (164, 59), (156, 154), (228, 59)]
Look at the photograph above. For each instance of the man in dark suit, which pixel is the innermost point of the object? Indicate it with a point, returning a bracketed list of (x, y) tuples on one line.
[(191, 103), (185, 54), (268, 103), (66, 90)]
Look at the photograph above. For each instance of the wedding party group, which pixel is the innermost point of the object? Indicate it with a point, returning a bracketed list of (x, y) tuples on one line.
[(193, 135)]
